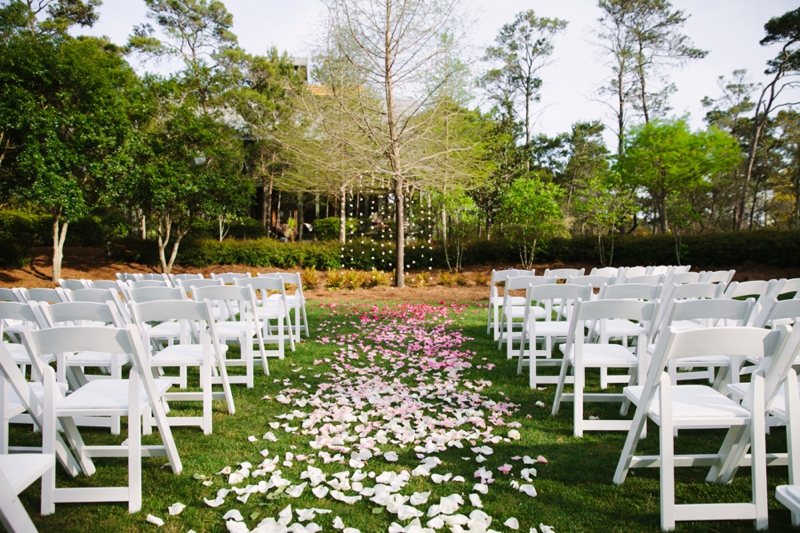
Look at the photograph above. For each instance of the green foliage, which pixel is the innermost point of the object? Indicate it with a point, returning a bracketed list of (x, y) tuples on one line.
[(445, 278), (327, 229), (334, 280), (531, 210)]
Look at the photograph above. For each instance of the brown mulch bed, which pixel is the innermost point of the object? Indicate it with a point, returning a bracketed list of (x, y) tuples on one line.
[(93, 263)]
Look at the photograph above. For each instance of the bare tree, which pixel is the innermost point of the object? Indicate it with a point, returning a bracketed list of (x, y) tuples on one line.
[(784, 69), (642, 38), (523, 48), (390, 46)]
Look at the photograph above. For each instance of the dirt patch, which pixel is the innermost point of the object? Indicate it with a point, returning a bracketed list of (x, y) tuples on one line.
[(93, 263)]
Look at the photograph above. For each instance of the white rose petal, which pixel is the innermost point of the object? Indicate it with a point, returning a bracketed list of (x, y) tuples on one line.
[(176, 508), (155, 520), (512, 523)]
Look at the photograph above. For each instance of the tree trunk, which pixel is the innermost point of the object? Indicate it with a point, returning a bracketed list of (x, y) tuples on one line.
[(58, 245), (343, 214), (748, 174), (264, 202), (300, 217), (164, 230), (144, 225), (444, 239), (269, 205)]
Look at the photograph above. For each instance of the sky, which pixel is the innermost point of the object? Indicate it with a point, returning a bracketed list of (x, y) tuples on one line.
[(730, 30)]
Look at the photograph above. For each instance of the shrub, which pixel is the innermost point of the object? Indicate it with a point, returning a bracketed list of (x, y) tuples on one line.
[(420, 280), (379, 278), (481, 279), (309, 278), (327, 229), (355, 279), (446, 278), (334, 280), (460, 279)]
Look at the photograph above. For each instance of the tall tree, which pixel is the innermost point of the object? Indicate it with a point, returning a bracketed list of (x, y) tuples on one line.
[(64, 117), (784, 68), (522, 49), (391, 45), (643, 37)]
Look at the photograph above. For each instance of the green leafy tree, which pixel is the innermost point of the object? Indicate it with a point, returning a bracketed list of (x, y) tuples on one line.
[(668, 162), (183, 166), (532, 213), (198, 32), (64, 118)]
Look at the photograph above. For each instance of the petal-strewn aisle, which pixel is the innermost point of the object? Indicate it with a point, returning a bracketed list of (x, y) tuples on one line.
[(389, 425)]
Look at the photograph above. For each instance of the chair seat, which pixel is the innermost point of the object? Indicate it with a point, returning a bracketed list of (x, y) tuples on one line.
[(37, 389), (552, 329), (789, 495), (518, 311), (694, 405), (23, 469), (182, 355), (777, 408), (620, 327), (605, 355), (294, 301), (94, 359), (106, 395), (165, 330), (237, 329), (514, 300), (273, 309), (20, 354)]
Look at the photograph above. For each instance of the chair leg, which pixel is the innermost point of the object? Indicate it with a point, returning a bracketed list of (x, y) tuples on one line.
[(205, 377), (562, 379), (758, 468), (793, 435), (12, 514), (305, 322), (580, 377)]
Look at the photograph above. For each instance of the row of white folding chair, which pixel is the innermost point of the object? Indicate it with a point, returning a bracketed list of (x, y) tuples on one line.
[(496, 301), (687, 407), (135, 398), (198, 345), (295, 301)]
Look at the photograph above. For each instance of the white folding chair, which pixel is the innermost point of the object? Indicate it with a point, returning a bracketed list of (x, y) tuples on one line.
[(620, 328), (722, 277), (646, 279), (595, 281), (148, 283), (236, 321), (776, 312), (208, 354), (18, 472), (580, 355), (705, 313), (175, 278), (496, 301), (511, 330), (13, 317), (761, 289), (229, 278), (789, 495), (124, 277), (296, 301), (626, 272), (73, 284), (43, 295), (153, 277), (272, 307), (563, 273), (611, 272), (685, 407), (106, 284), (791, 286), (549, 329), (135, 398), (17, 396), (161, 332)]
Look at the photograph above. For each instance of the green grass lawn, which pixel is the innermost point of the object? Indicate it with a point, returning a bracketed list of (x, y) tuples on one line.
[(575, 492)]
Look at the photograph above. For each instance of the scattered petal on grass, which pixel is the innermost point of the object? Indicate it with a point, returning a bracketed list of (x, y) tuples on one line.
[(156, 521), (252, 438), (541, 459), (528, 489), (539, 403), (390, 456), (176, 508), (506, 468), (511, 523), (475, 500), (337, 523), (234, 515), (514, 434)]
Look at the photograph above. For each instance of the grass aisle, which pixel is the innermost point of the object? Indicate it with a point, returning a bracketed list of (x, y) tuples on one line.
[(397, 418)]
